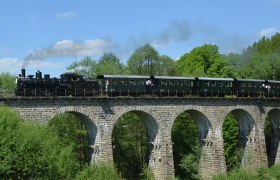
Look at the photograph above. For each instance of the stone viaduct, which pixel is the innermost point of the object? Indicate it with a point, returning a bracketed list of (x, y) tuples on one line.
[(158, 114)]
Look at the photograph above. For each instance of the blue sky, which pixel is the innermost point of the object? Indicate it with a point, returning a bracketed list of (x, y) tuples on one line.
[(50, 35)]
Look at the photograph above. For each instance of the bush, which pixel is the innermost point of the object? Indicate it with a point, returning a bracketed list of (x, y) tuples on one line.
[(30, 151), (147, 173), (98, 172), (274, 171), (262, 173)]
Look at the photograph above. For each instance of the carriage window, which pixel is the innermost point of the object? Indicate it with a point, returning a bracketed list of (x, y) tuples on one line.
[(141, 81), (123, 82), (179, 83), (220, 84), (243, 84), (230, 84), (171, 82), (163, 82), (214, 84), (132, 82), (115, 82), (187, 83), (191, 83), (227, 84), (206, 83), (249, 85)]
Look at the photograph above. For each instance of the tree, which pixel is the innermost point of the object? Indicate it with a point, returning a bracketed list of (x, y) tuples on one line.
[(86, 67), (109, 64), (167, 66), (203, 61), (262, 59), (144, 61), (27, 151), (7, 84), (129, 142), (72, 132), (231, 148), (186, 148)]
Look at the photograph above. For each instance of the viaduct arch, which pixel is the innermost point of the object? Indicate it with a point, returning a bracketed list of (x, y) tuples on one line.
[(101, 114)]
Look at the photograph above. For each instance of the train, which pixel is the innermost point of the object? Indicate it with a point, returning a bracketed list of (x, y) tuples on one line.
[(71, 84)]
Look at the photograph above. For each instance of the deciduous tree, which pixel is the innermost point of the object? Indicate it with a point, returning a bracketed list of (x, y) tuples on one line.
[(144, 61)]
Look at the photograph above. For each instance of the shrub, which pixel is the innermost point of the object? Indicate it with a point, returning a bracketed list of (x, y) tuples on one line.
[(98, 172)]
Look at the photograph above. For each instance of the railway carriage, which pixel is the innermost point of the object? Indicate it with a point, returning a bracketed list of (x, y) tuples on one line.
[(273, 88), (215, 86), (249, 87), (124, 85), (174, 86)]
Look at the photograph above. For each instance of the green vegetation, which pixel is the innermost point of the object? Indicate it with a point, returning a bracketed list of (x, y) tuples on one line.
[(7, 84), (231, 148), (130, 141), (98, 172), (262, 173), (186, 147)]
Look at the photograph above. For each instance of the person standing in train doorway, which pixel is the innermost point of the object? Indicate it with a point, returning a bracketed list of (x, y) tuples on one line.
[(149, 85), (107, 87)]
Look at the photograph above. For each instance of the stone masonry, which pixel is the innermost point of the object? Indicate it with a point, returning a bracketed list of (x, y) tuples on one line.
[(158, 114)]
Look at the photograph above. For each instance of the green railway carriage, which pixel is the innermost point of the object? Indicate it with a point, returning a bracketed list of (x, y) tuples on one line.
[(249, 87), (214, 86), (273, 88), (173, 86), (123, 85)]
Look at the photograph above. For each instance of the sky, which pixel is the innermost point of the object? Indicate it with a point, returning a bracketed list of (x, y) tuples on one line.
[(52, 34)]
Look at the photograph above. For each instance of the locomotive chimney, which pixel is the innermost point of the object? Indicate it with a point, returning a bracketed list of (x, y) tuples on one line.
[(23, 73), (38, 75)]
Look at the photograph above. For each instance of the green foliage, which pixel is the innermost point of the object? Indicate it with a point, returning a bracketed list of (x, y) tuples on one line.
[(109, 64), (98, 172), (231, 147), (85, 67), (186, 147), (31, 151), (274, 171), (268, 138), (241, 173), (236, 174), (25, 151), (130, 145), (167, 66), (73, 134), (190, 166), (147, 173), (204, 61), (220, 176), (7, 84), (260, 60), (144, 61), (262, 173)]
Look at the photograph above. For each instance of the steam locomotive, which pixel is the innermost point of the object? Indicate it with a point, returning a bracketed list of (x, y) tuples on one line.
[(70, 84)]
